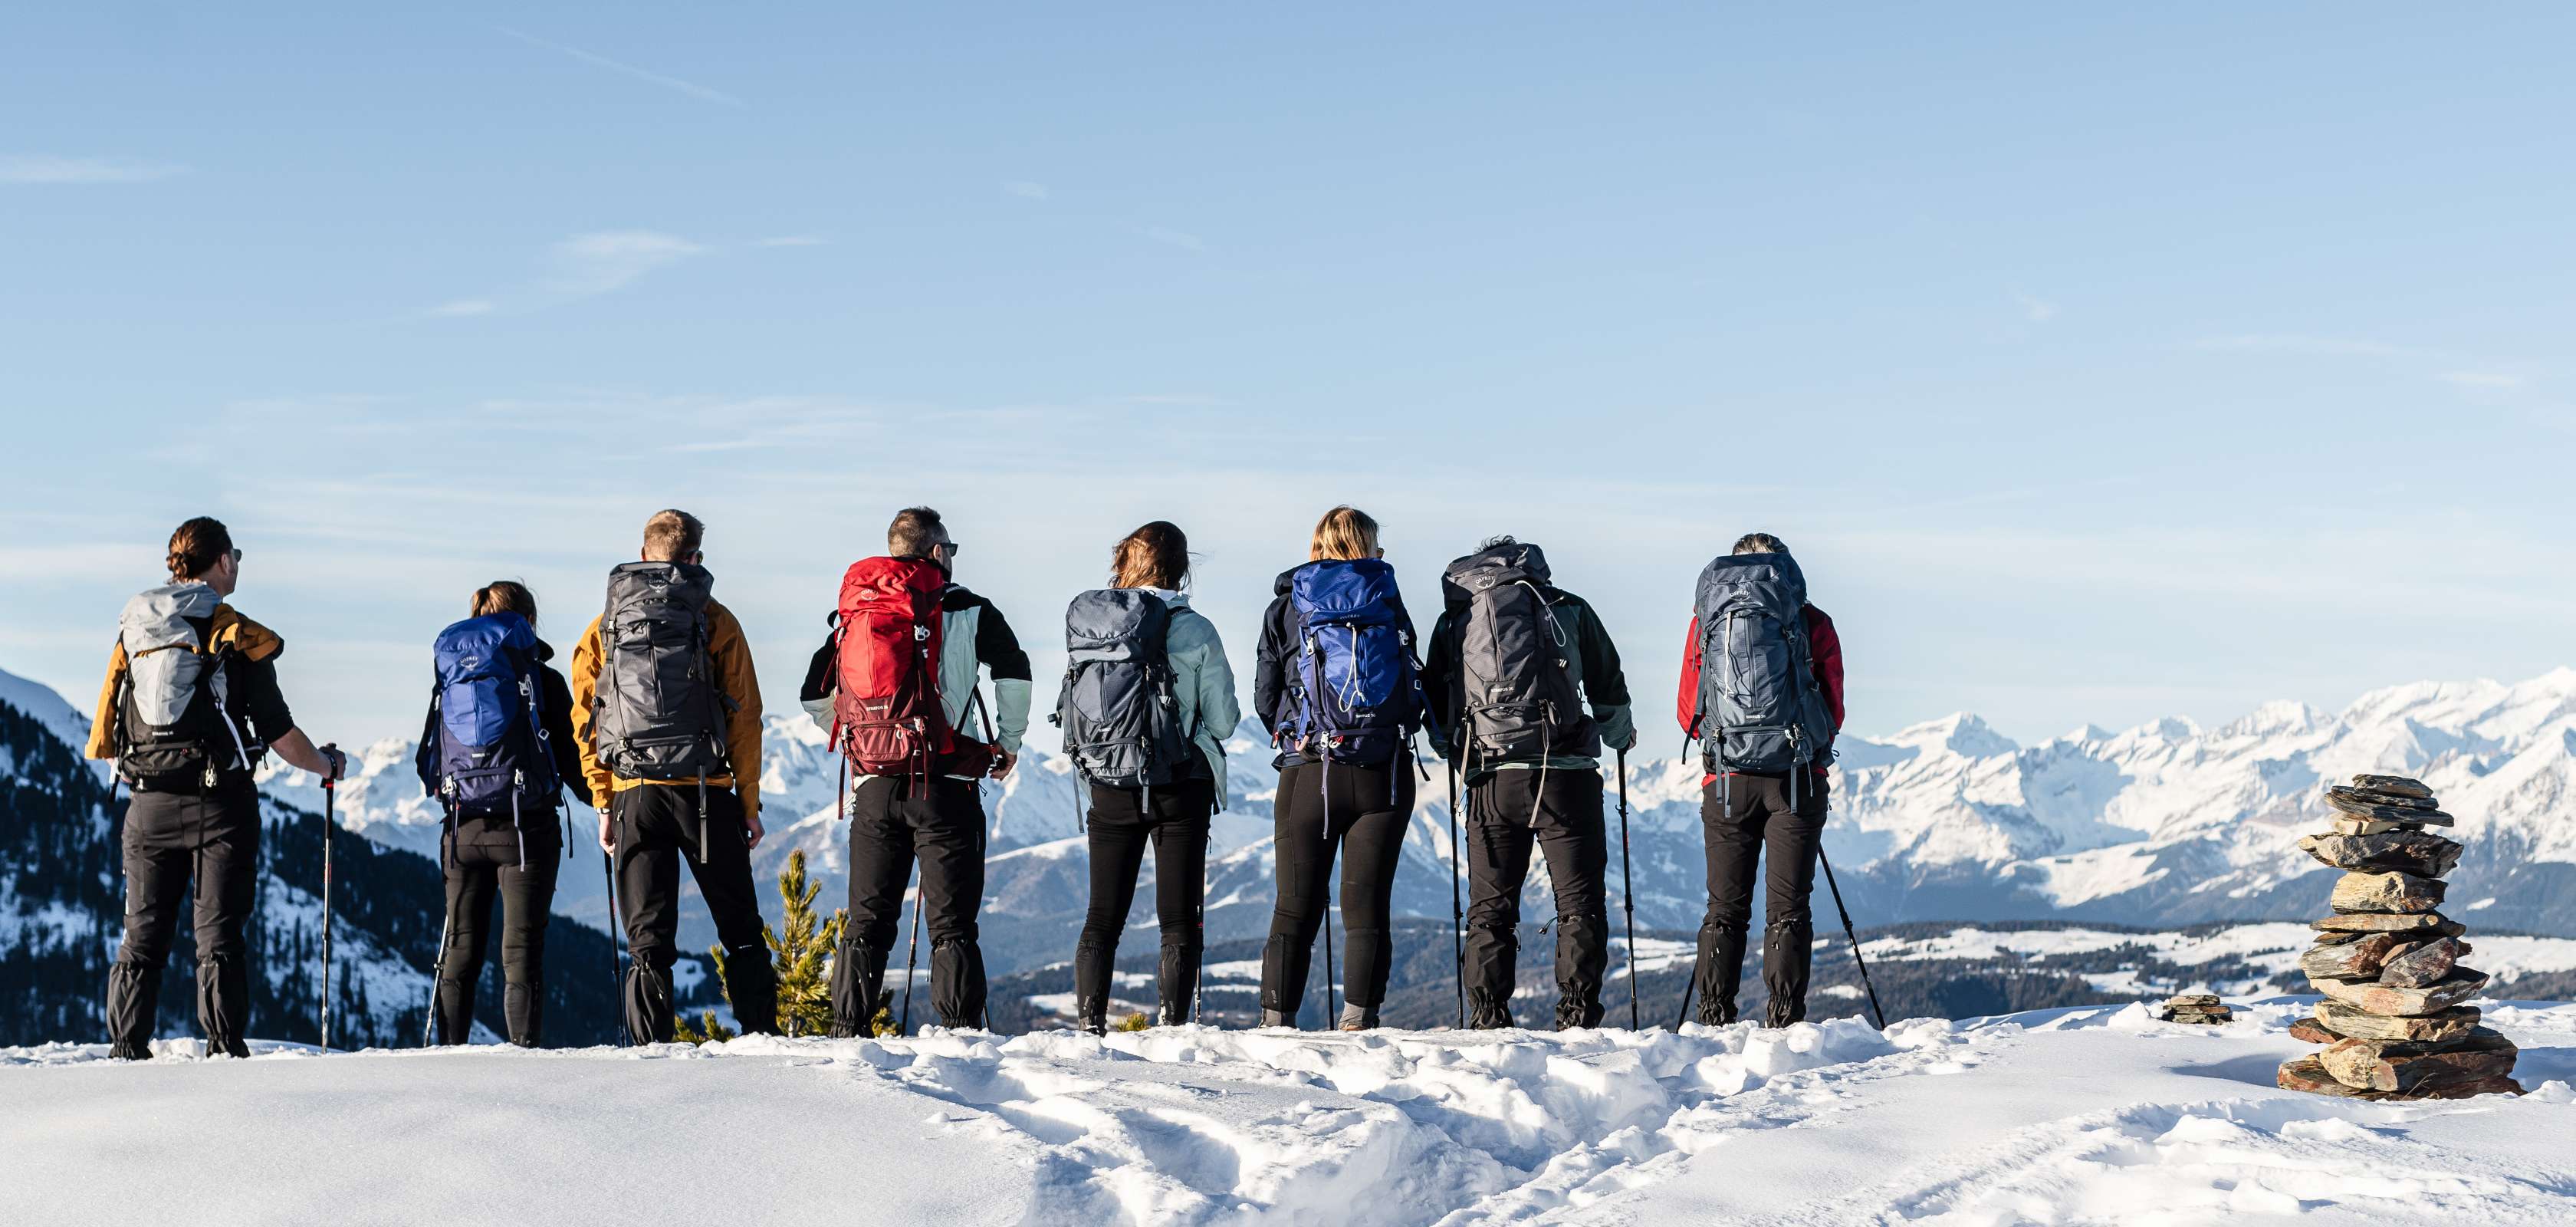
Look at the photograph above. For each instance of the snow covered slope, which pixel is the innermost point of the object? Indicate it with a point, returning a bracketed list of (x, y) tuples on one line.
[(2067, 1117)]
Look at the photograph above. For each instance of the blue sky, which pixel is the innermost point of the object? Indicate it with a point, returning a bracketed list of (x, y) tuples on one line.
[(2099, 365)]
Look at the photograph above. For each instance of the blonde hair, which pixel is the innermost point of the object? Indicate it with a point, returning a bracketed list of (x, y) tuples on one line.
[(673, 535), (505, 594), (1154, 556), (1345, 532)]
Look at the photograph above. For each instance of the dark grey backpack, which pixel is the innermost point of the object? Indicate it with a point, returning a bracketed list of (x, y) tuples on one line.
[(1760, 708), (1121, 717), (661, 709), (1516, 674)]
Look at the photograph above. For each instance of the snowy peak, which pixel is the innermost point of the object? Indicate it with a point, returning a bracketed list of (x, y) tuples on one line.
[(1960, 734)]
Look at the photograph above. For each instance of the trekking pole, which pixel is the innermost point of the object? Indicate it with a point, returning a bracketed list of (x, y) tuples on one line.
[(438, 969), (330, 798), (1332, 1003), (1457, 912), (1821, 859), (1627, 890), (1198, 987), (903, 1025), (616, 951)]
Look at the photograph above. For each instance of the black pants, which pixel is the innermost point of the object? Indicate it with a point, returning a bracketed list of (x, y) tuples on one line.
[(1751, 817), (170, 837), (894, 822), (1364, 816), (1560, 813), (488, 856), (657, 829), (1119, 829)]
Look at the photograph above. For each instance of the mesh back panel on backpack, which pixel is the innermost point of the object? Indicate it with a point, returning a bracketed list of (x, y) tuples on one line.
[(1517, 691), (491, 756), (1119, 710), (1355, 697), (1760, 708), (887, 712), (661, 709), (171, 727)]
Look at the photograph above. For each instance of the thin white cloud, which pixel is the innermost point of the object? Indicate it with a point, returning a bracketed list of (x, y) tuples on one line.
[(39, 169), (691, 88), (1176, 238), (2500, 381), (463, 306), (2034, 308), (794, 240), (597, 263), (1026, 190)]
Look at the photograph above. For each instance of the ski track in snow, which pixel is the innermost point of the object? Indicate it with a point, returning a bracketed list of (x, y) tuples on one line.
[(2093, 1115)]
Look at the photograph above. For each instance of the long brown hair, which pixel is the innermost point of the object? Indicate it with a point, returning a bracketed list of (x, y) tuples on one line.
[(505, 594), (1154, 556), (196, 546), (1345, 532)]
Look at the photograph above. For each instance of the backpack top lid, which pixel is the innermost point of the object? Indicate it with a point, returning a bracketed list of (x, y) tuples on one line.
[(159, 617), (465, 646), (1484, 569), (1359, 591), (1771, 579), (1115, 624), (873, 580), (685, 581)]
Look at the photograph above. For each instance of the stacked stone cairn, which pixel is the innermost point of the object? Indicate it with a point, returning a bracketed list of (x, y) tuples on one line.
[(2204, 1009), (2394, 1020)]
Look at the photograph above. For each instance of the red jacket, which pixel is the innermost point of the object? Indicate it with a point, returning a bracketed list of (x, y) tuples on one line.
[(1823, 645)]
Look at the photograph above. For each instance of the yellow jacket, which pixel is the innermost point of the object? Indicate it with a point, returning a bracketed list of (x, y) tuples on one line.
[(731, 656), (230, 631)]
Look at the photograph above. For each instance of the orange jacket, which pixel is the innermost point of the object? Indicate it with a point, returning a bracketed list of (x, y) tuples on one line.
[(229, 631), (731, 656)]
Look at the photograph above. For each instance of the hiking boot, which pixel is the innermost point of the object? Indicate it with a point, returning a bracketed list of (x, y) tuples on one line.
[(1782, 1013), (1487, 1012), (1091, 1016), (1356, 1017), (123, 1051), (1717, 1012), (1277, 1018), (1575, 1015)]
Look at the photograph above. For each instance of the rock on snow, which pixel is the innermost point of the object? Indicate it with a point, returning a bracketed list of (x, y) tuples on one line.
[(2095, 1115)]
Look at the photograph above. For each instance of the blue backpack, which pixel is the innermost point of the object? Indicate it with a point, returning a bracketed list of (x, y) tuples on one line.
[(490, 753), (1355, 693)]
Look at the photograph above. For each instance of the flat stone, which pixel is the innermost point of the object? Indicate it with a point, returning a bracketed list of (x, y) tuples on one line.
[(2353, 960), (2367, 796), (2309, 1074), (2405, 1065), (2454, 1087), (2192, 999), (2398, 784), (2370, 997), (2310, 1031), (2363, 826), (2345, 1022), (2429, 924), (2422, 853), (2422, 963), (2386, 892), (2385, 813)]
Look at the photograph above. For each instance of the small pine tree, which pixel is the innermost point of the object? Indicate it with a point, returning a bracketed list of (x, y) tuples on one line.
[(803, 954), (1134, 1022), (708, 1030), (883, 1025)]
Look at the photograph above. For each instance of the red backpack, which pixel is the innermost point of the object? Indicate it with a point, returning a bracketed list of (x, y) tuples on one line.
[(887, 715)]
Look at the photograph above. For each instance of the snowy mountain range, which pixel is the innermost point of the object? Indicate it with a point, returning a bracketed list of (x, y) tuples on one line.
[(2161, 825)]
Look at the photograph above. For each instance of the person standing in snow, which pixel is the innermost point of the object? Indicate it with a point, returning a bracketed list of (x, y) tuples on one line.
[(1514, 662), (190, 707), (1762, 649), (1335, 682), (1172, 815), (514, 852), (666, 712), (894, 684)]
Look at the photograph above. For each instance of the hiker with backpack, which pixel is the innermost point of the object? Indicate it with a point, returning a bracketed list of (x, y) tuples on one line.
[(1337, 684), (894, 684), (497, 751), (1525, 687), (190, 707), (1148, 701), (666, 713), (1762, 688)]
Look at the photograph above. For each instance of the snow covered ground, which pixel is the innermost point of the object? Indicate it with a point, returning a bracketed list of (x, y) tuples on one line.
[(2093, 1115)]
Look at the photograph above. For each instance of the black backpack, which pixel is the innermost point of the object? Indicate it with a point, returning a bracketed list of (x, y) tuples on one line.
[(661, 709), (1760, 707), (1516, 677), (1120, 715)]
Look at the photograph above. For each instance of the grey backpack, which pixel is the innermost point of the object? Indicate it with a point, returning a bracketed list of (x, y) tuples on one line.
[(1517, 693), (1119, 711), (661, 709), (1760, 708), (172, 730)]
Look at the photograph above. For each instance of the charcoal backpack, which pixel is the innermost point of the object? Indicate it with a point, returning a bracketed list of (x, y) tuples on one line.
[(171, 728), (1516, 675), (487, 720), (1354, 696), (1760, 708), (887, 714), (661, 709), (1119, 710)]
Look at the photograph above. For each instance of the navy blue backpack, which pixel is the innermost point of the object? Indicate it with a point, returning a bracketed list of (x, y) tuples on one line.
[(489, 754), (1357, 698)]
